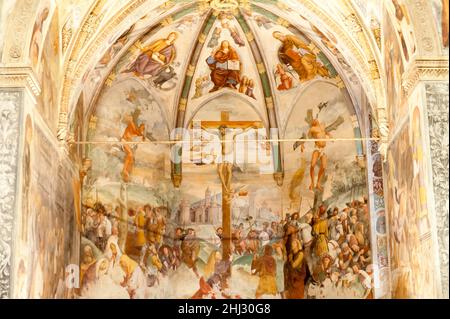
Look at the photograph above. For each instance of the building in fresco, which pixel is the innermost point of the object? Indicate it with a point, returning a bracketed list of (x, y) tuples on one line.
[(171, 134), (205, 211)]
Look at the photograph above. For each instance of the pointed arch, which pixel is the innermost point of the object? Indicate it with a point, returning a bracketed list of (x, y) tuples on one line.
[(176, 168), (220, 94), (268, 98)]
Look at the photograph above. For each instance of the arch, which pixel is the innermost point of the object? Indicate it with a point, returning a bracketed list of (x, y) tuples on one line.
[(73, 69), (152, 28), (152, 94), (354, 38), (301, 92), (219, 94)]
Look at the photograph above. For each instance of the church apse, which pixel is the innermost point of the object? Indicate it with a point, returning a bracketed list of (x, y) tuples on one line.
[(245, 110), (223, 149)]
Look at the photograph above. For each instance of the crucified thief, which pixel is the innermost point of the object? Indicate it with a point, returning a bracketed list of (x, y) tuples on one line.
[(319, 131), (131, 131)]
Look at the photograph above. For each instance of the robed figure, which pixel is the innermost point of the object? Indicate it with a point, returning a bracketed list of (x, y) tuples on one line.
[(225, 67), (297, 54), (155, 57), (190, 248), (266, 268), (295, 271)]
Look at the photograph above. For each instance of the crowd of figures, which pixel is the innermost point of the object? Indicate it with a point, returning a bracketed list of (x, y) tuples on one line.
[(136, 260), (329, 251), (325, 253)]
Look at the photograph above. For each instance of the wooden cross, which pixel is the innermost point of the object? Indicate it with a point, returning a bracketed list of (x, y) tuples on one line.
[(224, 170)]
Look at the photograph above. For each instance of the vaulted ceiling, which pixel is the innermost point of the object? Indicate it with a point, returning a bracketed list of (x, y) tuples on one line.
[(249, 31), (98, 40), (98, 59), (201, 26)]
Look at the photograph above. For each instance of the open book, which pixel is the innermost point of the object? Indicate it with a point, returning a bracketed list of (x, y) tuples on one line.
[(229, 65)]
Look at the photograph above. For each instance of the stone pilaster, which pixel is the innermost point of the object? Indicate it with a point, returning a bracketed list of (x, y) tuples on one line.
[(431, 74), (437, 116), (18, 87), (11, 101)]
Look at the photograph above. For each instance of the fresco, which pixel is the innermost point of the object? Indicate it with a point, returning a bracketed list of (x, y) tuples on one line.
[(440, 11), (156, 60), (48, 71), (394, 66), (142, 237), (327, 115), (242, 216), (44, 247), (411, 250), (294, 60), (39, 31), (225, 65), (403, 28)]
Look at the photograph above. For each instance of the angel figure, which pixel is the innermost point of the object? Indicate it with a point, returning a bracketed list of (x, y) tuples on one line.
[(233, 33), (319, 131), (285, 79)]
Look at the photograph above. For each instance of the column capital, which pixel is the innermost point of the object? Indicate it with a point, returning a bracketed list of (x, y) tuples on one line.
[(425, 69), (20, 77)]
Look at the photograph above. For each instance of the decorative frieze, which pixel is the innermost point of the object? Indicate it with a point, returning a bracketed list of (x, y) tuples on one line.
[(13, 77), (10, 105), (427, 69), (437, 110)]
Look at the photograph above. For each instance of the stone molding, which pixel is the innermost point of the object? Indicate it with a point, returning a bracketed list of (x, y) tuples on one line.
[(20, 77), (424, 69)]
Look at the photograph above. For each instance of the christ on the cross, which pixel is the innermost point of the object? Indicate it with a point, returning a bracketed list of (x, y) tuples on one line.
[(225, 168)]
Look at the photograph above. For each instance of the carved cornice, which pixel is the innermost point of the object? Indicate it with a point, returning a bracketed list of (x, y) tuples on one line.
[(424, 69), (20, 77)]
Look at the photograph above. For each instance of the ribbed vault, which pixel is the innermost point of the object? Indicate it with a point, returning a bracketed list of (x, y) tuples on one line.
[(177, 107)]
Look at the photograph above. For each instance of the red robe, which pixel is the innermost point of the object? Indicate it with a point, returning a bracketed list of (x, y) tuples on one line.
[(221, 77)]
